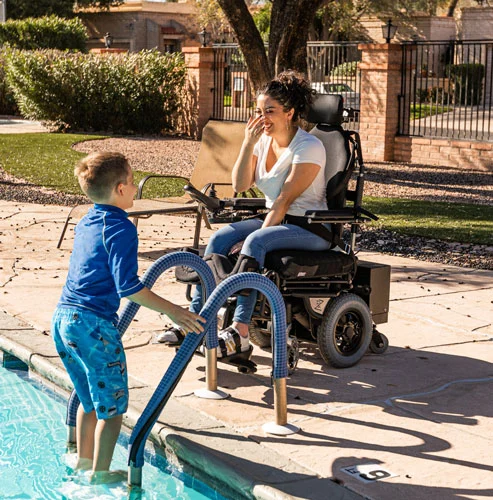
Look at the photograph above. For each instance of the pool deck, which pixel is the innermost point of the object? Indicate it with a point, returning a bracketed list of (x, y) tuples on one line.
[(422, 412), (17, 125)]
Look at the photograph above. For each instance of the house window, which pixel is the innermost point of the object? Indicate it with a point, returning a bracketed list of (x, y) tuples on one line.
[(171, 46)]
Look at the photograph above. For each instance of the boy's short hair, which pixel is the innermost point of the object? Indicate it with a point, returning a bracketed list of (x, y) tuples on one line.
[(100, 173)]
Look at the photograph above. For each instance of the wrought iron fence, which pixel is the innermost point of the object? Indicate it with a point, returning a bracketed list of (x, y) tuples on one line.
[(332, 69), (447, 90), (233, 98)]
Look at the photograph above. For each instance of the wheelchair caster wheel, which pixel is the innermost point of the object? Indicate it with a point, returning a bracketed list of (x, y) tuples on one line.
[(293, 349), (379, 343)]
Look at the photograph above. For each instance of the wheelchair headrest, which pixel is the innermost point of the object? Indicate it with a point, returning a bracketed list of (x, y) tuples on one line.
[(326, 108)]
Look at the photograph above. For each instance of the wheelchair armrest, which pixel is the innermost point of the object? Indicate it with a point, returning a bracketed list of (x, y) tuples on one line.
[(213, 204), (245, 203), (341, 215)]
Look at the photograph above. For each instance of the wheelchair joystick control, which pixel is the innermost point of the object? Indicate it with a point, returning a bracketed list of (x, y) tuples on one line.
[(209, 202)]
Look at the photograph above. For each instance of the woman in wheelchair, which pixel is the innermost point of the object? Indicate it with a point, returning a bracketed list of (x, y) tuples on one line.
[(288, 165)]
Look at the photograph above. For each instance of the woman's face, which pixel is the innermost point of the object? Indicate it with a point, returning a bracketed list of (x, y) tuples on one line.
[(274, 117)]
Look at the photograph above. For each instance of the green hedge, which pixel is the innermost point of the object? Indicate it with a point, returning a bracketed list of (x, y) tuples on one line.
[(468, 82), (44, 33), (120, 93), (345, 69), (8, 105)]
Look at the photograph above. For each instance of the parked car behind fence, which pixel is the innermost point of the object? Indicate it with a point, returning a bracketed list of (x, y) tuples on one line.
[(350, 97)]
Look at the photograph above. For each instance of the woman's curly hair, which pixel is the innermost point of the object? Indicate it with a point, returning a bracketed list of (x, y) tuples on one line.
[(292, 90)]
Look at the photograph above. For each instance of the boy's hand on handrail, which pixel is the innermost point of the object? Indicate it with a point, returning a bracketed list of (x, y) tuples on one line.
[(188, 321)]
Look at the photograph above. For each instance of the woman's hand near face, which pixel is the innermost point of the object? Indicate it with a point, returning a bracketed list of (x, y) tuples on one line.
[(243, 175), (254, 129)]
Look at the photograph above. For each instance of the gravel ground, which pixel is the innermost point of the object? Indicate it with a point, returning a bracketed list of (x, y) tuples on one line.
[(177, 156)]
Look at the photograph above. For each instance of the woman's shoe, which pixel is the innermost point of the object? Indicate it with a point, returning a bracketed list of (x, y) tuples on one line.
[(173, 336), (230, 342)]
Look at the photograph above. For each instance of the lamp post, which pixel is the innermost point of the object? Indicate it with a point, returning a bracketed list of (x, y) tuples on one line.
[(204, 37), (388, 31), (108, 40)]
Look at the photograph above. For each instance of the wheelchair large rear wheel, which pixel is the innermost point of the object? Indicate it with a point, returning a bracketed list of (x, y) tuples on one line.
[(345, 332)]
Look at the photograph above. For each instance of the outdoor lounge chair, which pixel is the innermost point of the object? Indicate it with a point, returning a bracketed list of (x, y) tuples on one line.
[(220, 146)]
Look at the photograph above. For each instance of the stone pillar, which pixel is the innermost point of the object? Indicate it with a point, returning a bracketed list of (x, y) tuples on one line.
[(379, 102), (198, 106)]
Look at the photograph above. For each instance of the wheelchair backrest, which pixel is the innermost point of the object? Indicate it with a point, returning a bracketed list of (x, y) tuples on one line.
[(327, 113)]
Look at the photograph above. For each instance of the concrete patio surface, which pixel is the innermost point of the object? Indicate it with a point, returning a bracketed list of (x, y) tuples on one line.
[(17, 125), (421, 414)]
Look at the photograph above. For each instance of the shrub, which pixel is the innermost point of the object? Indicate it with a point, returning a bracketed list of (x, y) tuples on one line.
[(422, 95), (345, 69), (468, 82), (44, 33), (7, 100), (438, 95), (123, 93)]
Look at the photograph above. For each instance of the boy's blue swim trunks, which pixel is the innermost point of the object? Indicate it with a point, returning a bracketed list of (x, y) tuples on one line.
[(92, 353)]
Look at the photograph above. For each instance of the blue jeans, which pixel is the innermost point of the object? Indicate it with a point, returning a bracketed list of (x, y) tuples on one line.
[(258, 242)]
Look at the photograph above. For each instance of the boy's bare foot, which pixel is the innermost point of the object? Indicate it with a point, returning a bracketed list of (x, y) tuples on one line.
[(107, 476), (83, 464)]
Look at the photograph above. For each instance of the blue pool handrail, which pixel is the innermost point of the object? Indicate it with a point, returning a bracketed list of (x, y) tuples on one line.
[(130, 310), (175, 370)]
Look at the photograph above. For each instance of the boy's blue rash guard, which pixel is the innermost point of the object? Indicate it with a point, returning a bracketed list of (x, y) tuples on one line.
[(103, 266)]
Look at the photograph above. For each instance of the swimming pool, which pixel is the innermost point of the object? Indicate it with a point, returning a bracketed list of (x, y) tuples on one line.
[(34, 463)]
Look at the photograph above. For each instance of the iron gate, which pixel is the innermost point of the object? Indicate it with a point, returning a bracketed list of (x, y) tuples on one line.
[(332, 68), (447, 89), (233, 98)]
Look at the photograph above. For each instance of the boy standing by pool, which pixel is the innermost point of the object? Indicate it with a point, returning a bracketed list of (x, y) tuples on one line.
[(103, 269)]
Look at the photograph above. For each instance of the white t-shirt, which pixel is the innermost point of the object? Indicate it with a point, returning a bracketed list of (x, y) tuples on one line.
[(304, 148)]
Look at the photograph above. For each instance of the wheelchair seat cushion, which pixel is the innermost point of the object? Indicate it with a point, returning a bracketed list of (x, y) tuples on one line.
[(289, 264), (297, 264)]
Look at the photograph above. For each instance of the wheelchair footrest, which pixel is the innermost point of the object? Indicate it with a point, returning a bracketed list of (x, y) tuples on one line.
[(241, 360)]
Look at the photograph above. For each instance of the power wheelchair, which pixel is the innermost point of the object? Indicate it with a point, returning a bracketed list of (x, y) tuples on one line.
[(332, 298)]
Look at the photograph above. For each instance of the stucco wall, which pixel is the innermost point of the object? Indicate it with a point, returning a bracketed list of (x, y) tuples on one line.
[(477, 23), (144, 25)]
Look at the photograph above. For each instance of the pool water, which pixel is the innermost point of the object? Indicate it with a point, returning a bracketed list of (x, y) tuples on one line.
[(34, 460)]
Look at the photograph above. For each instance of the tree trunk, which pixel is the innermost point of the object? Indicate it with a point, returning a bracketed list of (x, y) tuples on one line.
[(451, 8), (250, 41), (290, 25)]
